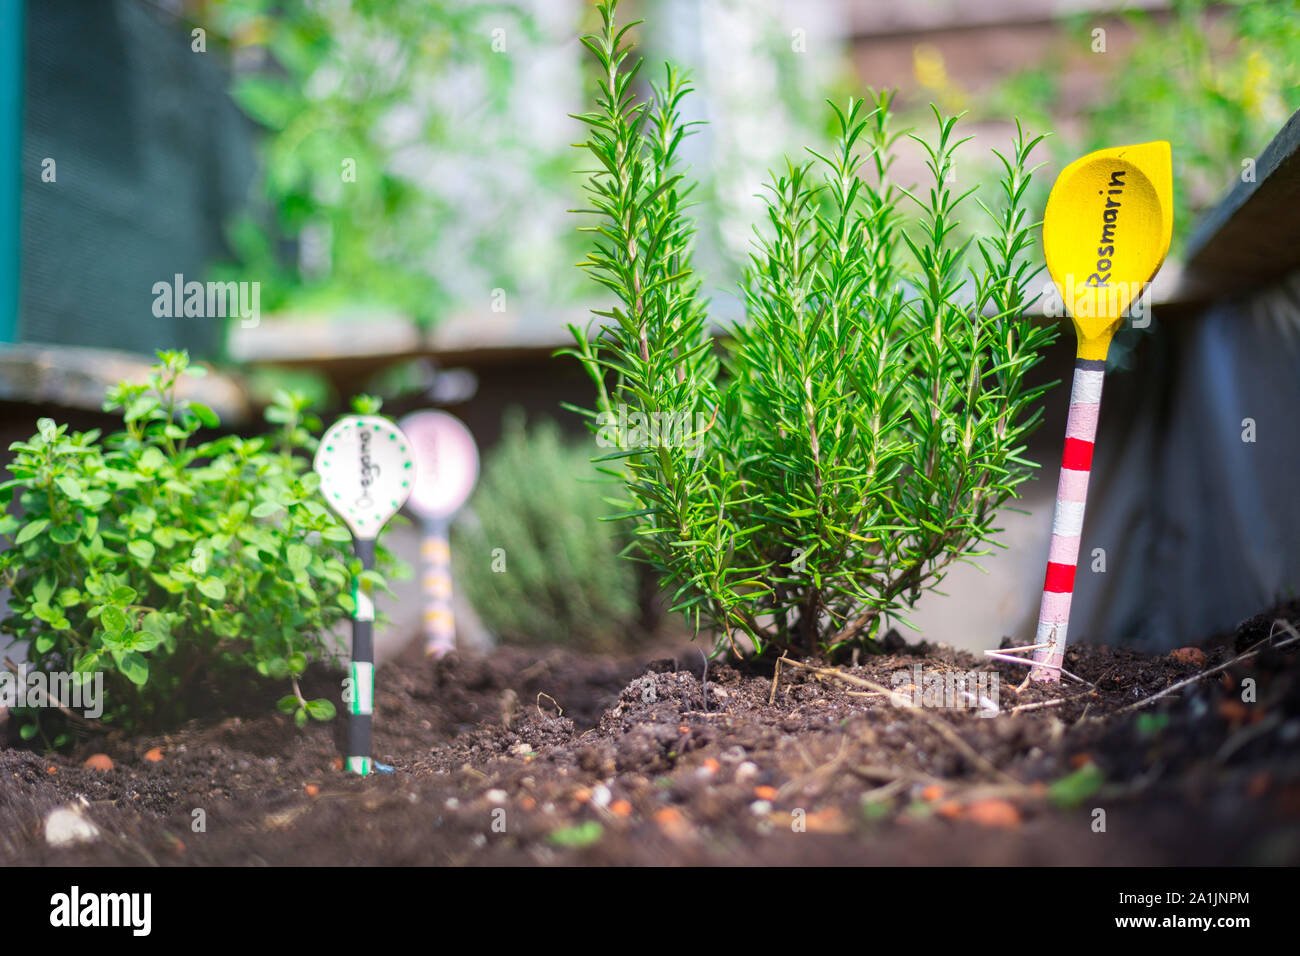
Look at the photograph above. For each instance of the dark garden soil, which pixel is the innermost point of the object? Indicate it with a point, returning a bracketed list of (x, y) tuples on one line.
[(530, 756)]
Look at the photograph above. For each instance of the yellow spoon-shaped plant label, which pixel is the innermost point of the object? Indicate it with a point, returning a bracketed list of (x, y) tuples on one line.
[(1106, 231)]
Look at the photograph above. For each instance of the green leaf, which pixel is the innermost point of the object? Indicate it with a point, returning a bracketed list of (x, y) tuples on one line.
[(267, 508), (27, 731), (321, 709), (300, 718), (69, 486), (579, 835), (297, 662), (298, 556), (43, 589), (206, 415), (287, 704), (142, 550), (65, 533), (167, 582), (112, 618), (212, 588), (152, 460), (134, 668), (156, 623), (31, 530), (122, 596), (1074, 789)]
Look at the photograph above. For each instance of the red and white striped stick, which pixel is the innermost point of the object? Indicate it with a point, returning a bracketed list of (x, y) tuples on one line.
[(1106, 230), (1067, 520)]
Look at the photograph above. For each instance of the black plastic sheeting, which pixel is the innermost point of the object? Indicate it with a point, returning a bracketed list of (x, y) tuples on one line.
[(1200, 527), (152, 158)]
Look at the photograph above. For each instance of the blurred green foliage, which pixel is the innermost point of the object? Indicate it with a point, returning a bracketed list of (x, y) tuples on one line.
[(1217, 80), (534, 556), (376, 112)]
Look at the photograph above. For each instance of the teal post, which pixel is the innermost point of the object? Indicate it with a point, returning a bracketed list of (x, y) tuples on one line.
[(11, 178)]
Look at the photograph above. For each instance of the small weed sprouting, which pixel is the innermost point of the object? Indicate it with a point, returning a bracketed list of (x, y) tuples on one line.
[(868, 418), (159, 559)]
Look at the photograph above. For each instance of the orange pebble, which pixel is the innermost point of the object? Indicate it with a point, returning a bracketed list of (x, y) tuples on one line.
[(154, 755), (53, 770), (337, 763), (1189, 655), (312, 790), (673, 823), (582, 795), (711, 765), (528, 803), (98, 762), (621, 808), (993, 813), (765, 793), (932, 793), (949, 808), (1080, 760)]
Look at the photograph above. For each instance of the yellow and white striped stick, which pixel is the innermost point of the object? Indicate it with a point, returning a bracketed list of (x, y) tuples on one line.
[(439, 619)]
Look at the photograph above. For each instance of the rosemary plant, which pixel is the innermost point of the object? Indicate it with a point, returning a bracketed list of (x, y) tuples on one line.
[(869, 415)]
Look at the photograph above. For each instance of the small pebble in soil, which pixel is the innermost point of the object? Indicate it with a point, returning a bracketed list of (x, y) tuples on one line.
[(66, 826), (495, 796), (1189, 655), (760, 808), (746, 771), (99, 762), (600, 795)]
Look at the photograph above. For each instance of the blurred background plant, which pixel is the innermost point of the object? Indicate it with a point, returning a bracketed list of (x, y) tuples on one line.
[(399, 154), (1216, 79), (534, 552)]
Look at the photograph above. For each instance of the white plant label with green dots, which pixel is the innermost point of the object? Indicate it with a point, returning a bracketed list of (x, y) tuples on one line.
[(366, 472)]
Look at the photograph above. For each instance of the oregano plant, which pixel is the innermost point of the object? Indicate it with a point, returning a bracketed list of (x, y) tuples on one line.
[(159, 558), (865, 420)]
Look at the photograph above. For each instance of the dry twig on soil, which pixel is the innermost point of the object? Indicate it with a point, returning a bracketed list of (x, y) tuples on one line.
[(939, 726)]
